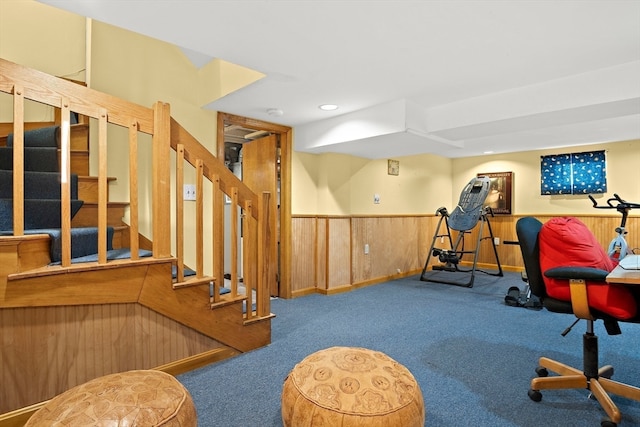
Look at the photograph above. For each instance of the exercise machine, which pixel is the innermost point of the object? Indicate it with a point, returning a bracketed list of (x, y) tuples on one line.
[(449, 250), (618, 247)]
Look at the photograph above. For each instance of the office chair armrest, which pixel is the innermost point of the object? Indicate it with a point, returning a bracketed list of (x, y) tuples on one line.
[(580, 273), (578, 277)]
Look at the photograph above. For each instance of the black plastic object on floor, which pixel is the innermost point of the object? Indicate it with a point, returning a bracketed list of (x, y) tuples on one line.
[(517, 298)]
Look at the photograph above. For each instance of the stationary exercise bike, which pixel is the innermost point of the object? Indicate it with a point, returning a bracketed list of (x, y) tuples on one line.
[(618, 247)]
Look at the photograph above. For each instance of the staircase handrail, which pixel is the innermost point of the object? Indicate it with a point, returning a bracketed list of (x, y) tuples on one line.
[(166, 134), (50, 90), (212, 166)]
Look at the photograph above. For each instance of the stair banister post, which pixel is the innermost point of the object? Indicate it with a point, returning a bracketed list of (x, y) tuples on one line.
[(133, 190), (65, 178), (265, 276), (102, 187), (179, 213), (233, 219), (199, 219), (161, 180), (249, 256), (217, 250), (18, 160)]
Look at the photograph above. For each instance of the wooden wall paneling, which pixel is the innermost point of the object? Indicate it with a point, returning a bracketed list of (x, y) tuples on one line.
[(304, 265), (427, 227), (46, 350), (402, 245), (339, 252), (633, 238), (126, 335), (321, 253), (7, 355), (504, 228), (603, 227), (361, 236), (403, 242)]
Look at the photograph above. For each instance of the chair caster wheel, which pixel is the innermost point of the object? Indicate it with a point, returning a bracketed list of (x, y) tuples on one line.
[(535, 395), (606, 372), (542, 372), (607, 423)]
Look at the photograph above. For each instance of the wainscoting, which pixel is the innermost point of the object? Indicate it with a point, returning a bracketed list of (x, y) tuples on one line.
[(79, 343), (328, 252)]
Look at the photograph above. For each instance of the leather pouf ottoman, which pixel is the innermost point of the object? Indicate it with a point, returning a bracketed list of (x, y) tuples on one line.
[(350, 386), (132, 398)]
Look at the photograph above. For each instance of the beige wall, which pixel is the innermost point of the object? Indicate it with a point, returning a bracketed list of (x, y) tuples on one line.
[(623, 177), (44, 38), (123, 64), (145, 70), (338, 184)]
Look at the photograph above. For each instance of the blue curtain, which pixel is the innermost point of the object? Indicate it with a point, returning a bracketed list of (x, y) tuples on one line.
[(575, 173)]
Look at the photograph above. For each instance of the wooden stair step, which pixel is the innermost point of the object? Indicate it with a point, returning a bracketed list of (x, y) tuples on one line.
[(256, 319), (121, 237), (227, 300), (23, 253), (79, 137), (87, 216), (194, 281), (33, 251), (79, 162), (52, 270), (88, 188)]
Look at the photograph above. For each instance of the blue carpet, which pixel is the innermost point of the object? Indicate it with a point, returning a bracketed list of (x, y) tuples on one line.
[(37, 185), (187, 272), (472, 355), (112, 254), (42, 159), (41, 137)]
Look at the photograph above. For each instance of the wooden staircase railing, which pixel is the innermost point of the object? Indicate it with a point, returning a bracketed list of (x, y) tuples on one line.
[(23, 84)]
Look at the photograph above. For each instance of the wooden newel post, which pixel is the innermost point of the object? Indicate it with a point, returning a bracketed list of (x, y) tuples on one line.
[(266, 277), (161, 181)]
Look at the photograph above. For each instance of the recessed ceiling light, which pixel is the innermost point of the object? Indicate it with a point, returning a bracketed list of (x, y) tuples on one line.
[(328, 107), (488, 152)]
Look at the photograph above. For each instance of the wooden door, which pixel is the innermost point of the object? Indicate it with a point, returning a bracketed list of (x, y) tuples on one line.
[(260, 173)]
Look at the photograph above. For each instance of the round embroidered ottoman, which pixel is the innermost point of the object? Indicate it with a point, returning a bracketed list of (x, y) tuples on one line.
[(350, 386), (132, 398)]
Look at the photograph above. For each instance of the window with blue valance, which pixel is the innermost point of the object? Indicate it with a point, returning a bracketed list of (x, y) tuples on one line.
[(574, 173)]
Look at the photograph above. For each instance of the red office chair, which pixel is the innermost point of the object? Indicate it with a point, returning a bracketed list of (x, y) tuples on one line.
[(566, 268)]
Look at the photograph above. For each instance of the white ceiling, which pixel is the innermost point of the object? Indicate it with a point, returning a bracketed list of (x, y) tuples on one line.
[(453, 78)]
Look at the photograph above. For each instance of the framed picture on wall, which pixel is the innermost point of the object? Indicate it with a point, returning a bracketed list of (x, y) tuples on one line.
[(500, 192), (393, 167)]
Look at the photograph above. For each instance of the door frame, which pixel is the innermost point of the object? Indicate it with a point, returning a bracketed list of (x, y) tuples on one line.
[(286, 144)]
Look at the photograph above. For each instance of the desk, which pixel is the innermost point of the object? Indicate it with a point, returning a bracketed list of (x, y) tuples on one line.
[(624, 277)]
